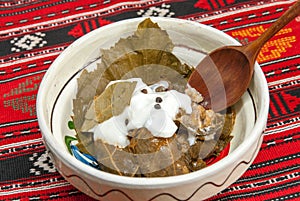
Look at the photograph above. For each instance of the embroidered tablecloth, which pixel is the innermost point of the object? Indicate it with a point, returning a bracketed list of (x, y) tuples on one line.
[(33, 33)]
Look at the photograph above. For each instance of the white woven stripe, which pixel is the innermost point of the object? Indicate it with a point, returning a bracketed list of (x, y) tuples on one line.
[(22, 132), (28, 59), (282, 129), (280, 60), (265, 183), (272, 174), (278, 82), (22, 76), (22, 143), (34, 189), (17, 122)]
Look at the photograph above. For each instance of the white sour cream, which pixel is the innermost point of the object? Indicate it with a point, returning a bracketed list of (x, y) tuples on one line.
[(148, 108)]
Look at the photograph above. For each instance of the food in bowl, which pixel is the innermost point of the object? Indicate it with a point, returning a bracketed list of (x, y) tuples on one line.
[(135, 114), (192, 40)]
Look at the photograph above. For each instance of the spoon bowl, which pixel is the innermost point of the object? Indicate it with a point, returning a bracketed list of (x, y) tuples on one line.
[(224, 75)]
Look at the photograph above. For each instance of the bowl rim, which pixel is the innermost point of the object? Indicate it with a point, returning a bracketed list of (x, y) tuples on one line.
[(93, 173)]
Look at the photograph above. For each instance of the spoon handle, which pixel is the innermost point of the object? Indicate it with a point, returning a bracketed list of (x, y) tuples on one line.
[(254, 47)]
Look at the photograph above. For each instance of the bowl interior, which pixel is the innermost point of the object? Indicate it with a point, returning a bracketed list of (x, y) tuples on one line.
[(192, 41)]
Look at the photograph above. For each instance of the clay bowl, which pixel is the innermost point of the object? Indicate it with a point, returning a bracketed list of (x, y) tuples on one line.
[(192, 40)]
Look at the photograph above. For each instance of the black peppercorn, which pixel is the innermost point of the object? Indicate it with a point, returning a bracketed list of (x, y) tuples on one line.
[(157, 106), (158, 99)]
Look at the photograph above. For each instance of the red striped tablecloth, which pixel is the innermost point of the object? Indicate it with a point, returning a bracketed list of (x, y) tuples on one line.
[(33, 33)]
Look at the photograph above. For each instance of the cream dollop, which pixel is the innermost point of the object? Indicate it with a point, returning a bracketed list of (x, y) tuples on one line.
[(148, 108)]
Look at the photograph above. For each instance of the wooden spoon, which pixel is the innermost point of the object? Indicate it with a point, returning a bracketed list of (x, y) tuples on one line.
[(224, 75)]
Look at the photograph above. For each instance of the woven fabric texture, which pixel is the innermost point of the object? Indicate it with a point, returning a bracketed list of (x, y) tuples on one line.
[(33, 33)]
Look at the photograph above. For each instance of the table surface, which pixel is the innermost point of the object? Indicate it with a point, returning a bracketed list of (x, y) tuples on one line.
[(33, 33)]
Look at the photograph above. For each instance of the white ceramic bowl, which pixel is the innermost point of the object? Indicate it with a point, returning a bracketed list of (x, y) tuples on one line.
[(54, 107)]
